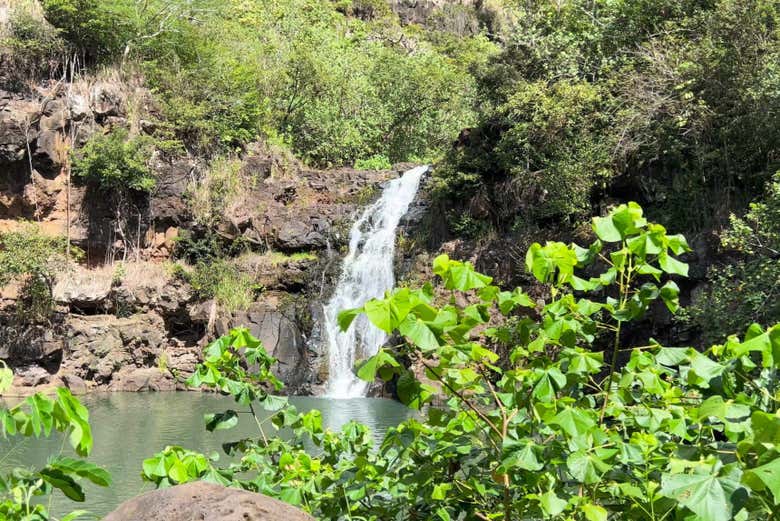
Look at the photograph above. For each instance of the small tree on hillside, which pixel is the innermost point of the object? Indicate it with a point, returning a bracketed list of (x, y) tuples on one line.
[(33, 259), (118, 165)]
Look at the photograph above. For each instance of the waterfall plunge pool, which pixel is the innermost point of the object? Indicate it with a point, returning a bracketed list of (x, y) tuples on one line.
[(130, 427)]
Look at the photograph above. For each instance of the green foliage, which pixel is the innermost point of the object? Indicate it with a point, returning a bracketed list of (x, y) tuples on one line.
[(199, 250), (745, 289), (106, 30), (334, 88), (655, 97), (96, 27), (31, 49), (378, 162), (224, 282), (758, 232), (33, 259), (39, 416), (116, 162), (554, 432)]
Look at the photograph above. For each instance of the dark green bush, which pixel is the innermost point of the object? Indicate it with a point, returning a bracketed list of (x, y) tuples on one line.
[(655, 99), (98, 28), (747, 289), (116, 162), (30, 50), (33, 260), (199, 249)]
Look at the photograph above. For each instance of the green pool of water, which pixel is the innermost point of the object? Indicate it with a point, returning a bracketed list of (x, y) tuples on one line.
[(129, 427)]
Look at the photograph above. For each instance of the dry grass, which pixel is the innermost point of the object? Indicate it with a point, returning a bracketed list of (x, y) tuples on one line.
[(220, 190), (132, 275), (251, 262)]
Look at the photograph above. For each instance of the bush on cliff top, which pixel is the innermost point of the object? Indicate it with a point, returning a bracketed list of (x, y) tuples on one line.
[(334, 88)]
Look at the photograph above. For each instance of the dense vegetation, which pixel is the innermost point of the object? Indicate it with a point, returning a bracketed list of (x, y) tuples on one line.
[(674, 102), (308, 73), (558, 111), (557, 108), (533, 424)]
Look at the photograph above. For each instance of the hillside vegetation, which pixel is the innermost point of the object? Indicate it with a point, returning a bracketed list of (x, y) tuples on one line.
[(636, 377), (335, 81)]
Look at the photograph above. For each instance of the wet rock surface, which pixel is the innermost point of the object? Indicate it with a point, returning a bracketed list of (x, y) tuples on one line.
[(205, 501)]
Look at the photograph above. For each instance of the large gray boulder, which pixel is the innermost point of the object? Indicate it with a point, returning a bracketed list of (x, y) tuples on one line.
[(201, 501), (280, 336)]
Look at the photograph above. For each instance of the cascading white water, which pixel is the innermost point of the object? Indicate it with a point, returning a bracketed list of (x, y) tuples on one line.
[(367, 273)]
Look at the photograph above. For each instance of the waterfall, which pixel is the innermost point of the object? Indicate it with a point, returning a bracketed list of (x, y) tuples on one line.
[(367, 272)]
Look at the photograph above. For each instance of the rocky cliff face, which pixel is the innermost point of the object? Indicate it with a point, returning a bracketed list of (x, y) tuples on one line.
[(140, 325)]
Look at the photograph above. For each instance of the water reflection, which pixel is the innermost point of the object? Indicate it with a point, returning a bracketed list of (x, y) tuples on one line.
[(129, 427)]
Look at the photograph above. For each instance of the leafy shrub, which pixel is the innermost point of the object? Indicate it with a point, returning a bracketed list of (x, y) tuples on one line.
[(222, 281), (378, 162), (736, 294), (558, 432), (197, 250), (31, 49), (758, 232), (653, 99), (23, 489), (746, 289), (33, 259), (96, 27), (116, 162)]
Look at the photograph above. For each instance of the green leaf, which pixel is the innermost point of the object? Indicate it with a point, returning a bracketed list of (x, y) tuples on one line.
[(767, 477), (221, 421), (520, 456), (647, 269), (586, 467), (594, 512), (671, 265), (508, 300), (574, 422), (766, 427), (606, 230), (584, 362), (65, 483), (678, 244), (703, 368), (440, 491), (551, 380), (155, 467), (347, 316), (274, 403), (551, 504), (464, 278), (369, 368), (670, 294), (443, 514), (380, 313), (178, 471), (554, 257), (419, 333), (291, 495), (84, 469), (702, 494)]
